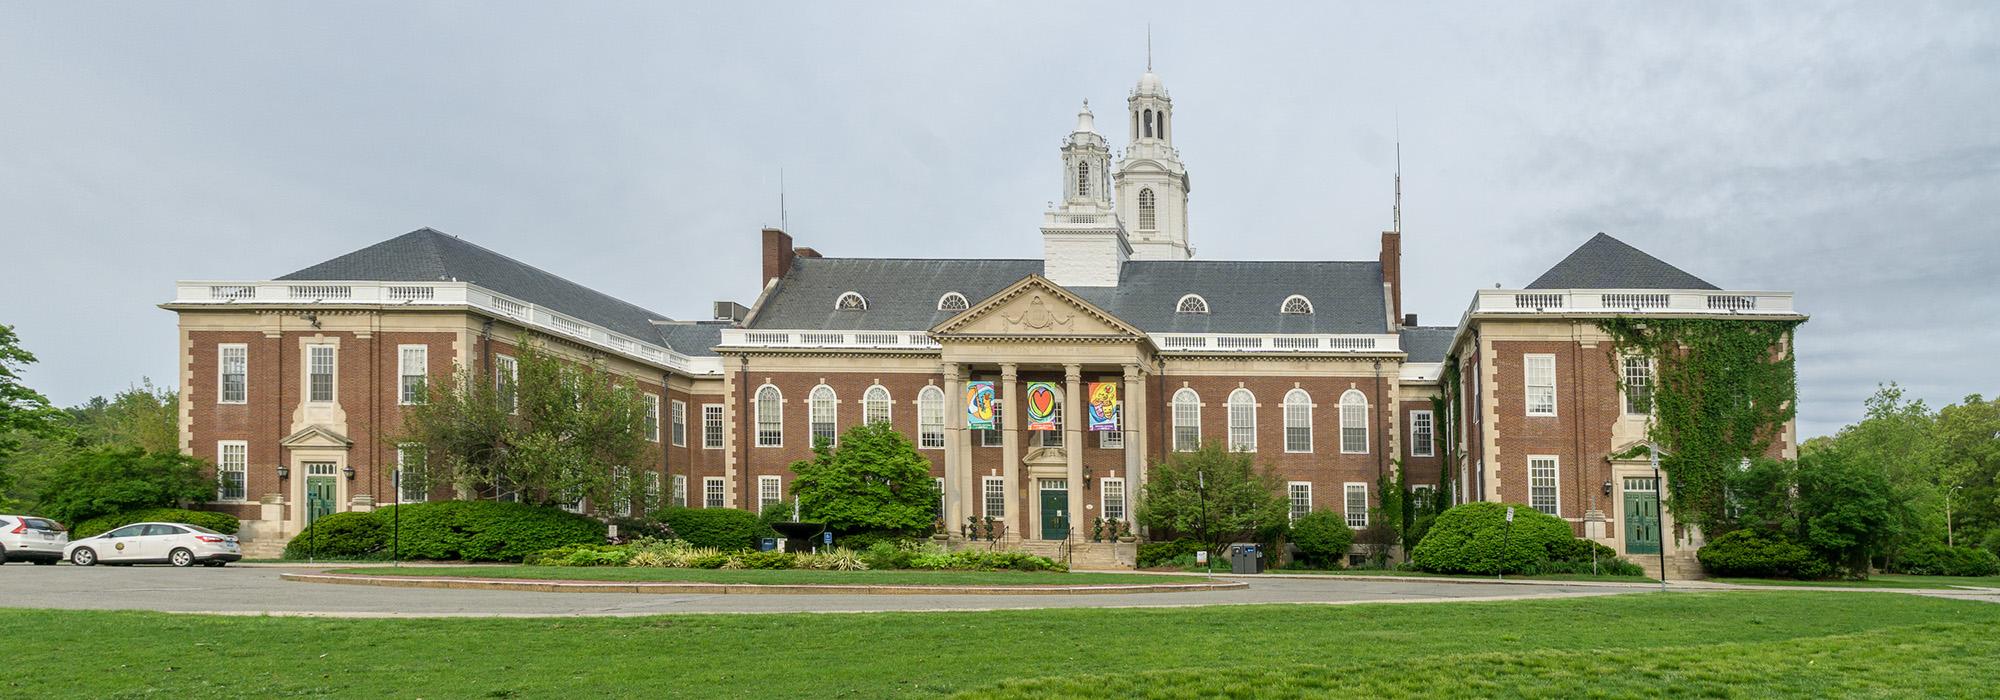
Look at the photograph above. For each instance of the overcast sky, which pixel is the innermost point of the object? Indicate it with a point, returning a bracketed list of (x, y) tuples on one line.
[(1848, 153)]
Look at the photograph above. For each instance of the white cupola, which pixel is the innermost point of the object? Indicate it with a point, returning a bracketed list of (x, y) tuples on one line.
[(1152, 183), (1083, 244)]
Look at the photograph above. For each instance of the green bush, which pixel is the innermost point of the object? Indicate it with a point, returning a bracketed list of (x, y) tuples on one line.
[(1156, 554), (635, 528), (726, 529), (867, 539), (486, 530), (351, 535), (1474, 538), (1759, 554), (582, 555), (1936, 559), (219, 522), (1323, 538), (709, 561), (767, 560)]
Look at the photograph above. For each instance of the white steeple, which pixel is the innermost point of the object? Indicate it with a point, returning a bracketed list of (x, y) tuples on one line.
[(1083, 244), (1152, 183)]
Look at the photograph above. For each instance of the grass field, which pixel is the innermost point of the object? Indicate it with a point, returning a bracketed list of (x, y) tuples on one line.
[(1878, 581), (772, 576), (1736, 644), (1422, 574)]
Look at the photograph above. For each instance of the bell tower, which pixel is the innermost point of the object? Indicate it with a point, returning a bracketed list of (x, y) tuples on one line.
[(1152, 183), (1083, 244)]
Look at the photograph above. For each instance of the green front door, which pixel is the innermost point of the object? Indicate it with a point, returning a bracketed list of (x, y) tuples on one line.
[(1055, 503), (1642, 515), (320, 482)]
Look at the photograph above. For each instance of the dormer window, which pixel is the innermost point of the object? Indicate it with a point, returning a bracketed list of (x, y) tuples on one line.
[(851, 301), (952, 301), (1296, 304), (1192, 304)]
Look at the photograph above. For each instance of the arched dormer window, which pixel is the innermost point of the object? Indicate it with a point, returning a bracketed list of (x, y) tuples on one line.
[(1147, 217), (1083, 178), (1191, 304), (952, 301), (875, 404), (851, 301), (1296, 304)]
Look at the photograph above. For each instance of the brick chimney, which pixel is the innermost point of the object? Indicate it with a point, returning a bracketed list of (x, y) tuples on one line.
[(778, 255), (1392, 272)]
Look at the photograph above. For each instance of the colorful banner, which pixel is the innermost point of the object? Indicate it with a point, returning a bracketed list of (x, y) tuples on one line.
[(1042, 405), (1104, 406), (979, 405)]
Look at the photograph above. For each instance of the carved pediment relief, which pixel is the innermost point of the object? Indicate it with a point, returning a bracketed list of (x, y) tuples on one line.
[(1036, 306), (1046, 456)]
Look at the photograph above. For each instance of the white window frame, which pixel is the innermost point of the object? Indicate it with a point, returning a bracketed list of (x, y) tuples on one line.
[(1186, 408), (823, 398), (1534, 394), (1111, 497), (652, 492), (652, 417), (993, 496), (1428, 431), (860, 302), (945, 302), (1242, 412), (408, 394), (997, 437), (1054, 438), (876, 400), (771, 428), (713, 427), (1111, 439), (1298, 410), (1545, 484), (1353, 417), (1148, 209), (222, 362), (714, 492), (677, 423), (1305, 305), (1625, 381), (507, 382), (680, 487), (930, 418), (621, 491), (332, 373), (224, 467), (402, 475), (1351, 489), (770, 489), (1191, 304), (1299, 494)]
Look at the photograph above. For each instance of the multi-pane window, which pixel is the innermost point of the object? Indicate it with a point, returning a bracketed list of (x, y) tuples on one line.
[(652, 494), (1353, 422), (1111, 439), (412, 372), (1242, 421), (621, 490), (1147, 217), (1053, 438), (711, 492), (1542, 485), (995, 490), (319, 373), (1423, 438), (1296, 304), (1301, 494), (411, 484), (677, 423), (711, 426), (1187, 421), (1638, 385), (1191, 304), (1541, 384), (1357, 505), (1298, 421), (821, 405), (680, 489), (952, 301), (1083, 178), (652, 417), (233, 384), (930, 418), (506, 376), (1113, 490), (998, 435), (770, 417), (232, 470), (770, 491), (875, 404)]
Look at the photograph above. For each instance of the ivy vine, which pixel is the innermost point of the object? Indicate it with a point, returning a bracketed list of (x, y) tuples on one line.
[(1723, 390)]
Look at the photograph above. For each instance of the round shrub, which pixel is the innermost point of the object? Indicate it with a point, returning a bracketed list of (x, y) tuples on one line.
[(1936, 559), (351, 535), (1153, 554), (219, 522), (582, 555), (1323, 537), (726, 529), (1473, 538), (1758, 554), (486, 530)]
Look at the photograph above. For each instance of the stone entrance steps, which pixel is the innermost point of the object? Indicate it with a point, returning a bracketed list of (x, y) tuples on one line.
[(1679, 567)]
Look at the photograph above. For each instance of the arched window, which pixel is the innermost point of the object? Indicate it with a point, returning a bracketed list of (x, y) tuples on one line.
[(770, 417), (952, 301), (875, 404), (821, 407), (1149, 123), (1083, 178), (1147, 218), (851, 301), (930, 418), (1298, 421), (1192, 304), (1296, 304), (1163, 125), (1187, 420), (1242, 421), (1353, 422)]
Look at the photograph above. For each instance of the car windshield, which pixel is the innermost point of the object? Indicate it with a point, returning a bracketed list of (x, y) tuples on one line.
[(198, 528)]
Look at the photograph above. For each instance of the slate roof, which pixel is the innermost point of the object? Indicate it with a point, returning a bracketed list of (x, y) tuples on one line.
[(1427, 343), (1243, 297), (1604, 262), (429, 255)]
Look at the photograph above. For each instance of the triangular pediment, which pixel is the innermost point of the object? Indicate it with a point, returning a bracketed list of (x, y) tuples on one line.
[(1035, 306), (316, 436)]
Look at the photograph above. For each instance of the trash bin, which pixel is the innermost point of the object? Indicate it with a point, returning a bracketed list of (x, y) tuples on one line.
[(1246, 559), (767, 544)]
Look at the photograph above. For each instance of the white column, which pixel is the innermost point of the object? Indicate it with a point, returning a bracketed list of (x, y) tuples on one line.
[(954, 448), (1010, 449), (1134, 425), (1075, 414)]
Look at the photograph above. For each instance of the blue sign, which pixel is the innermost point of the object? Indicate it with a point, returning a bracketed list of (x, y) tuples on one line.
[(826, 537)]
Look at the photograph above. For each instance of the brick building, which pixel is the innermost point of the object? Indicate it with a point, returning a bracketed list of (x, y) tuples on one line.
[(293, 385)]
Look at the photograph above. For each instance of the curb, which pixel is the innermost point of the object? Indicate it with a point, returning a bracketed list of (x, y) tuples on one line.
[(673, 587)]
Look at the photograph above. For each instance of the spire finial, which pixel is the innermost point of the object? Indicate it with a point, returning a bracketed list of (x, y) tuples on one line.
[(1149, 47)]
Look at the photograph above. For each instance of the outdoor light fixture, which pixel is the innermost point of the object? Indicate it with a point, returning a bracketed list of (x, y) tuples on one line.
[(284, 472), (1607, 488), (349, 471)]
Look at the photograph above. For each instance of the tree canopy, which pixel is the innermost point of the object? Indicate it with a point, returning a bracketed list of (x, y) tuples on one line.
[(875, 480), (1215, 496)]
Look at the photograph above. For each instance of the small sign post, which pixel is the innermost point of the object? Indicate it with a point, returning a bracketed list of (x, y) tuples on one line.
[(826, 538), (1505, 540)]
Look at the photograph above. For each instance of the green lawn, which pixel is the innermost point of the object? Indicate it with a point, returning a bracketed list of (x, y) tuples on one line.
[(771, 576), (1749, 644), (1878, 581)]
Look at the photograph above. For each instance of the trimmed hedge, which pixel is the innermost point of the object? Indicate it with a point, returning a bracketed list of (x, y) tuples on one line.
[(350, 535), (1323, 538), (454, 530), (1154, 554), (1935, 559), (219, 522), (727, 529), (1758, 554), (1474, 538)]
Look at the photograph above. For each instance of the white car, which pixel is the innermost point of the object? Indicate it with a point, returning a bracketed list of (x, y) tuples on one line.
[(156, 543), (31, 538)]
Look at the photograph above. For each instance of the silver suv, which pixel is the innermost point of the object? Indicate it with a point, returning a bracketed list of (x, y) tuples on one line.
[(30, 538)]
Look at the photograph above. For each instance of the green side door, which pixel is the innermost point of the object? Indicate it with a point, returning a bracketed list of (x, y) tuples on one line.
[(1642, 516), (319, 497), (1055, 522)]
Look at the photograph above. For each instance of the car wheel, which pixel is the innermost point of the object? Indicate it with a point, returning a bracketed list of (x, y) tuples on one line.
[(83, 556), (181, 557)]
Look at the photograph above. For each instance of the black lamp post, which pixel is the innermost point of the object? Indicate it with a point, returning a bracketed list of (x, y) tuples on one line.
[(1201, 487)]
